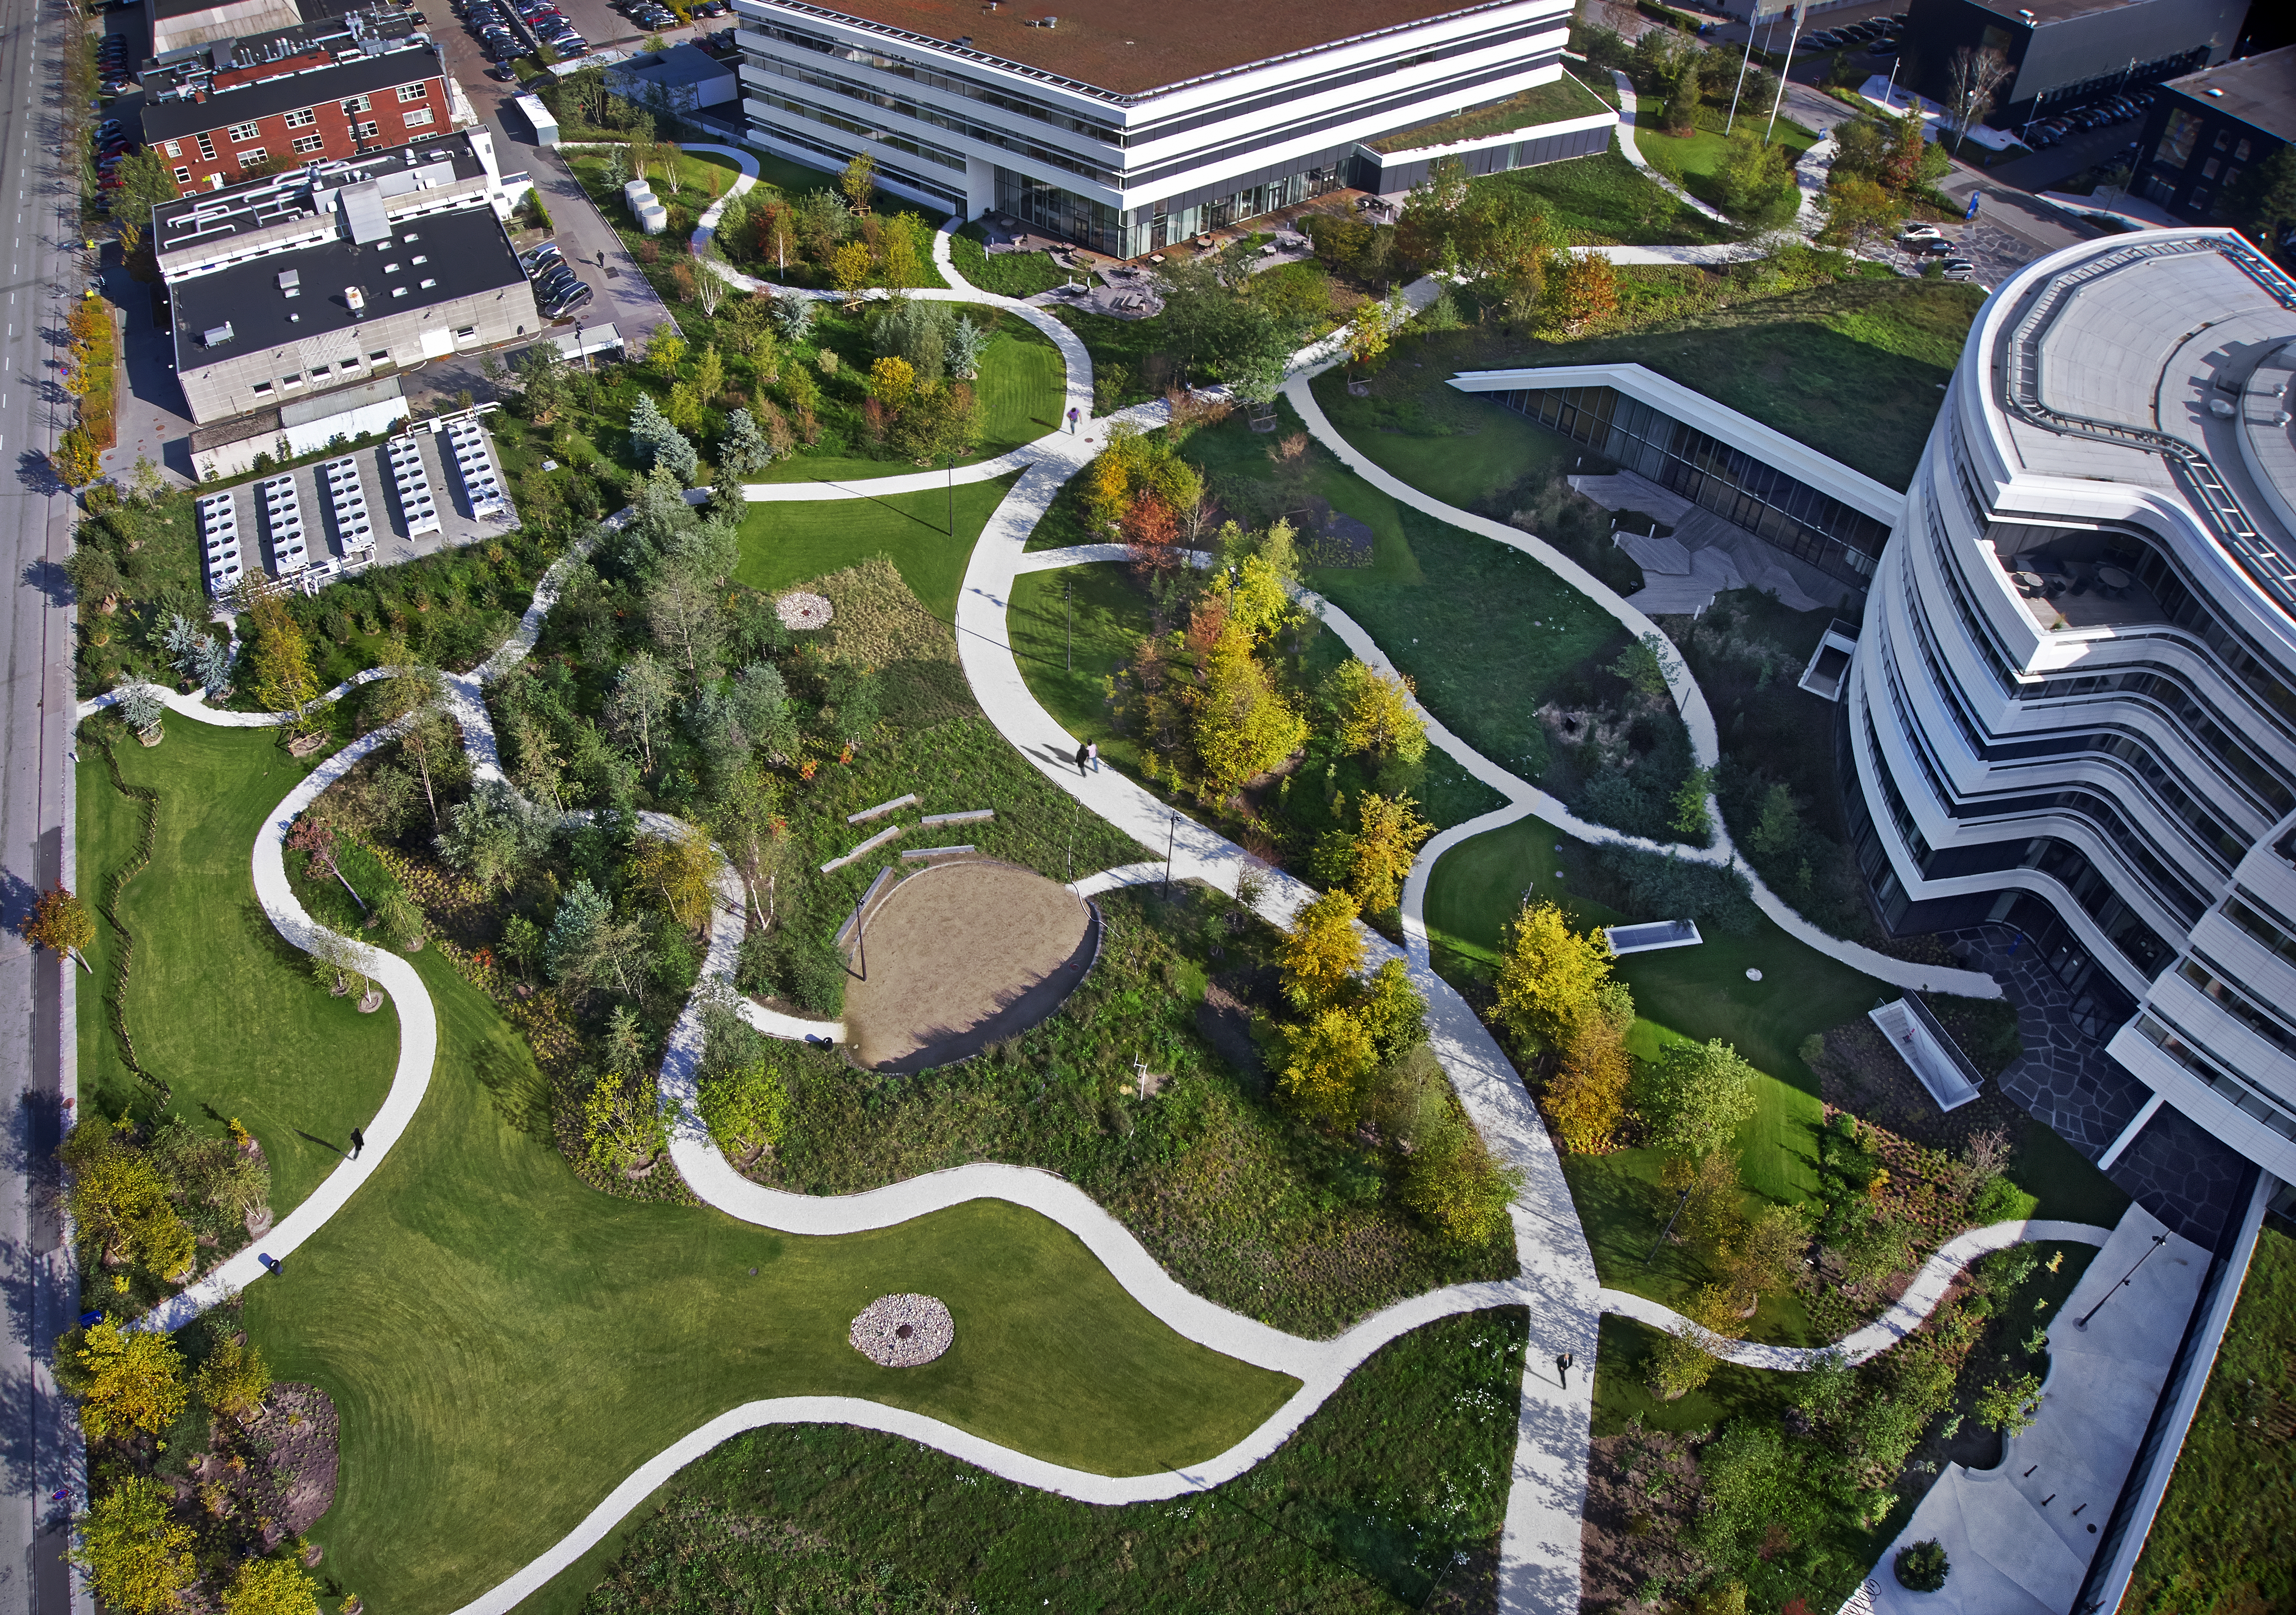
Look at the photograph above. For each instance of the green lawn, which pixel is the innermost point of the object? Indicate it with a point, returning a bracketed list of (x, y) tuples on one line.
[(219, 1006), (1005, 274), (1604, 199), (790, 542), (1461, 446), (505, 1345), (1693, 160), (1022, 391), (2234, 1492), (1552, 102)]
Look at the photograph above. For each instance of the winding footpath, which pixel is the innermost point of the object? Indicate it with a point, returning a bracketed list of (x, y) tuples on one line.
[(1540, 1548)]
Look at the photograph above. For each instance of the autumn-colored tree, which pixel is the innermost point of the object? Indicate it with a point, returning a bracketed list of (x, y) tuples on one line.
[(682, 868), (119, 1199), (1388, 836), (1327, 1063), (746, 1110), (1393, 1012), (1372, 711), (2010, 1405), (709, 371), (1586, 1096), (1320, 953), (59, 921), (1453, 1181), (906, 251), (284, 679), (1686, 1358), (859, 179), (125, 1381), (1551, 981), (1243, 725), (1259, 598), (133, 1549), (777, 232), (666, 351), (1152, 536), (1586, 292), (893, 381), (849, 267), (233, 1381), (1766, 1256), (74, 459), (271, 1586)]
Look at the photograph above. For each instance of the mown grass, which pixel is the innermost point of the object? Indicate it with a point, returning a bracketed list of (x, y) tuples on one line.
[(1695, 160), (1461, 446), (1603, 200), (2220, 1542), (1005, 274), (1388, 1500), (505, 1345), (786, 542), (221, 1007)]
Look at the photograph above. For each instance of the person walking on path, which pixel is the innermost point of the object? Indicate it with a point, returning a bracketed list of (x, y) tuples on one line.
[(1091, 754), (358, 1143), (1072, 418), (1084, 755), (1562, 1370)]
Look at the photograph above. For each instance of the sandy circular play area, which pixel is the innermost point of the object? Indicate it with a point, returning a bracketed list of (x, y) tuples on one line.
[(955, 957)]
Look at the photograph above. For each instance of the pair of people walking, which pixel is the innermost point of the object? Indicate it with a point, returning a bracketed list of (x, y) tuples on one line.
[(1087, 757)]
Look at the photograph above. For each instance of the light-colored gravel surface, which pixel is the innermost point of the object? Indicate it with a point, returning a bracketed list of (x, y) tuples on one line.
[(902, 1331)]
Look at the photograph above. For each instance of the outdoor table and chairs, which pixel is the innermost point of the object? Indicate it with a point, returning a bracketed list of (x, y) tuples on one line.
[(2114, 580)]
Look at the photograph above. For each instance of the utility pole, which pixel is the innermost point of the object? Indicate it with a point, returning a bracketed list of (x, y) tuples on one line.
[(1067, 598)]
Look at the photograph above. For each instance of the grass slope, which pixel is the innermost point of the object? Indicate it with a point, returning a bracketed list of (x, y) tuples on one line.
[(219, 1006), (505, 1345), (1459, 447), (2233, 1494), (1388, 1500), (1604, 199), (792, 542)]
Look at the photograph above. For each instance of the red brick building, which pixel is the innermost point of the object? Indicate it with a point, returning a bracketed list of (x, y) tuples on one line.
[(317, 104)]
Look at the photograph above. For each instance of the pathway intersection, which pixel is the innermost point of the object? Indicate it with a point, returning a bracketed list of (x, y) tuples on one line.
[(1540, 1547)]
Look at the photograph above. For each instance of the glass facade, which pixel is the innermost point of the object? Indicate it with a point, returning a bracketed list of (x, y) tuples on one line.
[(1796, 518), (1144, 230)]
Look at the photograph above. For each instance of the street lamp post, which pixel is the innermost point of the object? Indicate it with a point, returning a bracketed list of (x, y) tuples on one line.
[(1800, 15)]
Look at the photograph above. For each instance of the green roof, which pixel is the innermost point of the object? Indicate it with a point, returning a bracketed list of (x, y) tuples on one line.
[(1565, 98)]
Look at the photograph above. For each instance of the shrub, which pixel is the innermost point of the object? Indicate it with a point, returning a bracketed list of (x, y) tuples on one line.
[(747, 1108), (1923, 1567)]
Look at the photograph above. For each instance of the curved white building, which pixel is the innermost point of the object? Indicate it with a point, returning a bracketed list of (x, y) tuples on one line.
[(2074, 705)]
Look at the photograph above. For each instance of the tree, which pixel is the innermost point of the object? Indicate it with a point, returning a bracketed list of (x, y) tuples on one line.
[(968, 342), (1690, 820), (494, 837), (144, 183), (858, 180), (1767, 1256), (682, 610), (2010, 1405), (1326, 1064), (94, 577), (1388, 835), (893, 383), (1586, 292), (76, 460), (849, 271), (1646, 667), (544, 376), (1693, 1097), (126, 1382), (284, 679), (1373, 712), (743, 451), (59, 921), (681, 869), (1453, 1181), (708, 372), (1586, 1096), (1921, 1566), (119, 1199), (666, 350), (133, 1549), (1858, 212), (1551, 981), (683, 408), (645, 689), (1973, 80), (1392, 1012), (1751, 1483), (1687, 1357), (747, 1108), (234, 1379), (1322, 952), (271, 1586), (1243, 726), (658, 442), (906, 251), (1711, 1196), (2263, 201), (1754, 177)]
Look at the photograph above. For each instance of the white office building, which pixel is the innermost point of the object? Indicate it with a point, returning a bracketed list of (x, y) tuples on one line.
[(1127, 128), (2073, 707)]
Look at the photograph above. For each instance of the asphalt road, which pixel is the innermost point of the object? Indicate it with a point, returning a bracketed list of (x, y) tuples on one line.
[(35, 1458)]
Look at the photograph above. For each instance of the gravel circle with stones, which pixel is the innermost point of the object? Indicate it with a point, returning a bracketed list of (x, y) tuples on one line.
[(802, 610), (902, 1331)]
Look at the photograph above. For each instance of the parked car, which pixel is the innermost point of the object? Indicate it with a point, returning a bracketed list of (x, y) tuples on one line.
[(1937, 248), (571, 305), (554, 283), (540, 255), (1913, 234), (576, 46)]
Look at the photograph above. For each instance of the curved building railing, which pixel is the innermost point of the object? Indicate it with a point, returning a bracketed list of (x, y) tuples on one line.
[(2265, 562)]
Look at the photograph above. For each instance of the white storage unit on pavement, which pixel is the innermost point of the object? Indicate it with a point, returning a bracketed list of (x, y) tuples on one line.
[(414, 483), (475, 462), (348, 493), (283, 518), (219, 536)]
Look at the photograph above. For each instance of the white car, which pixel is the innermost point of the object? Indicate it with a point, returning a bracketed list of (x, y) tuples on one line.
[(1913, 235)]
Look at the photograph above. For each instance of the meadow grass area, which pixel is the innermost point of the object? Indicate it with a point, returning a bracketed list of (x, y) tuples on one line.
[(505, 1345), (1854, 369), (219, 1007), (1604, 200), (1461, 447), (2234, 1493), (786, 542)]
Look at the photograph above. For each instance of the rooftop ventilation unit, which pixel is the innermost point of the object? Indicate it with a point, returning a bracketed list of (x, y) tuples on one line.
[(216, 335), (357, 299), (291, 282), (364, 216)]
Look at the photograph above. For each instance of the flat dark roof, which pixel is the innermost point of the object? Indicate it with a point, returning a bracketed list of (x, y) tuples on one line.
[(2260, 91), (242, 103), (461, 253), (1130, 48)]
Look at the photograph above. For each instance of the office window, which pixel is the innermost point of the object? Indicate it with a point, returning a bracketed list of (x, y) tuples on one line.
[(302, 118), (174, 148), (307, 143), (2224, 139), (241, 132), (2199, 199), (354, 106), (2240, 152), (207, 149), (262, 390), (366, 131), (291, 382), (413, 92), (2175, 147), (417, 119), (182, 176), (249, 158), (383, 357)]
